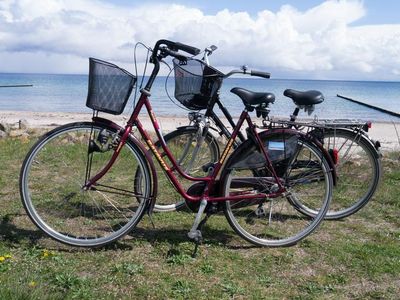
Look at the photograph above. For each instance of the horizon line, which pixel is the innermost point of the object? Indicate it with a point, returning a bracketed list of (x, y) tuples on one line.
[(244, 77)]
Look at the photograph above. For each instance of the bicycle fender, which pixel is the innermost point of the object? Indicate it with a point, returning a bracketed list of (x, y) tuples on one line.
[(132, 139), (326, 154), (374, 145), (186, 127)]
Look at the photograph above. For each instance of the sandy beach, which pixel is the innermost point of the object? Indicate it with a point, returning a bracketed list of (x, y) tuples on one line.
[(384, 132), (52, 119)]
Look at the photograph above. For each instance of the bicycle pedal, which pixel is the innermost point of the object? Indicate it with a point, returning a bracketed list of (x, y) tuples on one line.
[(260, 212)]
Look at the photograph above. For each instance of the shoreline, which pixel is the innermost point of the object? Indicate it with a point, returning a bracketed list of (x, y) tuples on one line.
[(53, 119), (384, 132)]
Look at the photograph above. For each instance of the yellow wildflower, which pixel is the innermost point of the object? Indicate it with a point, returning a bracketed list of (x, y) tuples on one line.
[(7, 256), (47, 253), (2, 258), (32, 283)]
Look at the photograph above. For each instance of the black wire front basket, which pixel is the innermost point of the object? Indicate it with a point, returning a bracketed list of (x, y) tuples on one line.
[(109, 87), (195, 83)]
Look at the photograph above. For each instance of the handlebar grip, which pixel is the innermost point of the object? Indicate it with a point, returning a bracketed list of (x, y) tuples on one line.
[(260, 74), (175, 54), (187, 48)]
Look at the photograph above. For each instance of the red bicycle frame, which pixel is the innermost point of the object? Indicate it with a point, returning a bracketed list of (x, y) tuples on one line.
[(210, 180)]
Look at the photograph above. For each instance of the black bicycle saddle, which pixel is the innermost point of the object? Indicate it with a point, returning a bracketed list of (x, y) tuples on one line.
[(304, 98), (253, 98)]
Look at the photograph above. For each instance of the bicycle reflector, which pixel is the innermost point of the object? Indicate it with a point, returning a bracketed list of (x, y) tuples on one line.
[(367, 125), (334, 154)]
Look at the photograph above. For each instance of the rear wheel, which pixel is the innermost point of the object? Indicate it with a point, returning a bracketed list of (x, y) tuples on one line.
[(56, 169), (358, 171), (278, 220)]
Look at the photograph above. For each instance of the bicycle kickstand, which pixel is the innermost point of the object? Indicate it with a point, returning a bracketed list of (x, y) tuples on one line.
[(195, 232)]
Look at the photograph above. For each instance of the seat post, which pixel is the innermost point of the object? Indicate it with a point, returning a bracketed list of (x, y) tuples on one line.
[(293, 117)]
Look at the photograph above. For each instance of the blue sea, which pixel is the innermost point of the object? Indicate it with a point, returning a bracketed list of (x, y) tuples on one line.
[(67, 93)]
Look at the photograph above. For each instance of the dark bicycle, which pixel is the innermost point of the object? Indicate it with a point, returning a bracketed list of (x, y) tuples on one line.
[(356, 156)]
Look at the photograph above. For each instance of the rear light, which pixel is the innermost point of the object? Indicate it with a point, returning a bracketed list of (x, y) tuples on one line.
[(367, 125), (334, 154)]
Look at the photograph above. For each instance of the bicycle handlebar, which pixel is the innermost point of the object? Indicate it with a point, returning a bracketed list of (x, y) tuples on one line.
[(260, 74), (175, 54), (251, 73), (172, 48), (187, 48)]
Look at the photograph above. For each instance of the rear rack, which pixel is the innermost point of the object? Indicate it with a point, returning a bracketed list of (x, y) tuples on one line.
[(319, 123)]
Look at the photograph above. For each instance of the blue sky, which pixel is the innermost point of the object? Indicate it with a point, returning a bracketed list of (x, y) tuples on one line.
[(377, 12), (332, 39)]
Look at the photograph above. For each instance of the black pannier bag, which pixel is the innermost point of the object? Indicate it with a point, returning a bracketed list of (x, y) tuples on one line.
[(109, 87), (195, 83), (281, 151)]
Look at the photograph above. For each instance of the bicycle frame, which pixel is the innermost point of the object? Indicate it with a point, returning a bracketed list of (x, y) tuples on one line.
[(210, 180)]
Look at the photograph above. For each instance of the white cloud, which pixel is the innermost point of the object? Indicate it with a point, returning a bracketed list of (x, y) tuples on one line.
[(58, 36)]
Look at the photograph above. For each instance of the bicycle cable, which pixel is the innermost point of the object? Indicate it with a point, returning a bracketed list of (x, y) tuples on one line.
[(166, 88), (136, 69)]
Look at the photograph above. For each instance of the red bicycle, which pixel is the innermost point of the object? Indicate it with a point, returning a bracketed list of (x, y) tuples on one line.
[(89, 183)]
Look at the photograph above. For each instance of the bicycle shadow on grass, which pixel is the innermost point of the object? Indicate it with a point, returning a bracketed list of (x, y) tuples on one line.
[(17, 237), (174, 236), (10, 232)]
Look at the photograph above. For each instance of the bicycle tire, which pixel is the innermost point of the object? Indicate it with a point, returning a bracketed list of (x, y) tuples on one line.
[(283, 223), (358, 170), (54, 172), (181, 141)]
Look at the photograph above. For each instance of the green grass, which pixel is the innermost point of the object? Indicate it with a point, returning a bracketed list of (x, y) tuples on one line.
[(358, 257)]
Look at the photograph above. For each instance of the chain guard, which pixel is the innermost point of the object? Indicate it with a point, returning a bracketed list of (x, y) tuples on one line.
[(197, 189)]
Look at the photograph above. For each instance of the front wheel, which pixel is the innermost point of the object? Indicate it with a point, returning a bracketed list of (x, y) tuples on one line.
[(279, 220), (56, 169)]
